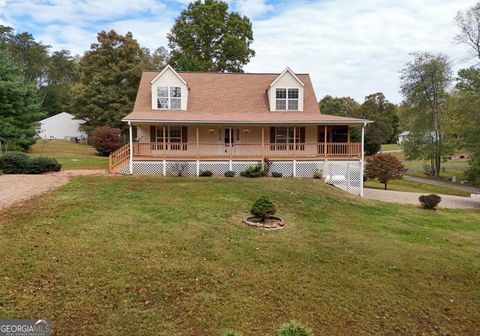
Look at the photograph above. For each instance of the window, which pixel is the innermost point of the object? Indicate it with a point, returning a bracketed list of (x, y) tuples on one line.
[(283, 138), (285, 135), (286, 99), (173, 134), (169, 97), (175, 137)]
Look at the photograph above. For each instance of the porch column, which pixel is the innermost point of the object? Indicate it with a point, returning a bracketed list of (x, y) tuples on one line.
[(164, 151), (198, 153), (362, 164), (131, 147), (294, 151), (230, 149), (325, 143), (263, 145)]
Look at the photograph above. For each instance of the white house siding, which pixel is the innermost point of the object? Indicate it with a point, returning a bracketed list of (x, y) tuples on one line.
[(60, 126)]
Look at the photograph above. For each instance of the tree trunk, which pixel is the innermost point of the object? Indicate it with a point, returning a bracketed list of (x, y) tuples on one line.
[(385, 185)]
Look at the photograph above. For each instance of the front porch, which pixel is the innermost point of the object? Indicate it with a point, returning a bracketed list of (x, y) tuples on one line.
[(238, 143)]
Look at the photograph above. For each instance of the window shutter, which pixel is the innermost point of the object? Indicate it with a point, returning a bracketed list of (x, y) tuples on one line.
[(184, 134), (152, 134), (302, 134)]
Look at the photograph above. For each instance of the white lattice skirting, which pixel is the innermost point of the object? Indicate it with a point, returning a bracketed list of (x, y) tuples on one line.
[(342, 174)]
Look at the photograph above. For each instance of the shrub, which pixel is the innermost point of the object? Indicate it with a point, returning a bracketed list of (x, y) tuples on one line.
[(41, 165), (372, 149), (106, 139), (263, 208), (429, 202), (294, 328), (277, 174), (254, 171), (20, 163), (318, 174), (384, 167), (230, 173), (205, 173), (14, 162)]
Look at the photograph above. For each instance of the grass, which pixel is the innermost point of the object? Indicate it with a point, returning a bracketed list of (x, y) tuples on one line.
[(70, 155), (169, 256), (402, 185), (389, 147)]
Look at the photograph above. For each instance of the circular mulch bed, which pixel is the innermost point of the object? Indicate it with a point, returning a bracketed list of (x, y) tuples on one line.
[(271, 223)]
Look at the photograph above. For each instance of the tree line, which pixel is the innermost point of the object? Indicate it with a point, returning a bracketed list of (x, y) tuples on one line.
[(99, 87), (441, 112)]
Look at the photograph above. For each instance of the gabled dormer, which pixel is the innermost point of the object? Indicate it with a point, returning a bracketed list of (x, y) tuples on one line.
[(286, 93), (169, 90)]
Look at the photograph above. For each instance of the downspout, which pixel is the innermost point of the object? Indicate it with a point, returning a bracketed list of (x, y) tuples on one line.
[(362, 160), (131, 147)]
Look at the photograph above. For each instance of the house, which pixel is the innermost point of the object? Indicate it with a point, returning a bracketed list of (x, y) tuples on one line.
[(60, 126), (402, 137), (191, 121)]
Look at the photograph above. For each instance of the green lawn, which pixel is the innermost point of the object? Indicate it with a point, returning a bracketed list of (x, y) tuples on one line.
[(389, 147), (169, 256), (70, 155), (402, 185)]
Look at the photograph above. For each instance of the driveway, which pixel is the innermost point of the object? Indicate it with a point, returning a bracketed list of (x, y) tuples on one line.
[(17, 188), (448, 201)]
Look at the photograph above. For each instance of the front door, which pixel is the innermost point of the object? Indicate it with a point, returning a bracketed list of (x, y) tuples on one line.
[(230, 137)]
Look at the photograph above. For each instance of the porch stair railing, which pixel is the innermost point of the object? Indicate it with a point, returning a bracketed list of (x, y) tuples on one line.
[(117, 159)]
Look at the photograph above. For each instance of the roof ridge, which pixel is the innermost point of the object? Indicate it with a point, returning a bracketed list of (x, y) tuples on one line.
[(229, 73)]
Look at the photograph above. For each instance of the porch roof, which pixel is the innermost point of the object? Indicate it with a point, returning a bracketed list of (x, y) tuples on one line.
[(230, 98)]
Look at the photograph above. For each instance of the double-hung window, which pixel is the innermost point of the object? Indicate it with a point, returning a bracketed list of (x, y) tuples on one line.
[(286, 99), (169, 97)]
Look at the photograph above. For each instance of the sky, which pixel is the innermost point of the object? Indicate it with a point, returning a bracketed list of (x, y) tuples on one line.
[(349, 47)]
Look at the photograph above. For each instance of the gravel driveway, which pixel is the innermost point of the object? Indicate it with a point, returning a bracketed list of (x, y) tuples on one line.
[(17, 188), (448, 201)]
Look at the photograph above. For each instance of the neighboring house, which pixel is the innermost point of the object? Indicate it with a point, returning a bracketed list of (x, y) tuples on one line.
[(192, 121), (402, 137), (60, 126)]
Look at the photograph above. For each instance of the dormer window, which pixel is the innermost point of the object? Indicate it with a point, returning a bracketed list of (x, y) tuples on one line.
[(286, 99), (169, 97)]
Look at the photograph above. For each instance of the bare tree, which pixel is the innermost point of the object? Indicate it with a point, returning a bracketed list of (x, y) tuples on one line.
[(469, 23)]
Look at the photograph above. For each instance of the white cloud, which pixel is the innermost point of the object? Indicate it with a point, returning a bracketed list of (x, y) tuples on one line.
[(355, 48), (253, 8), (350, 48)]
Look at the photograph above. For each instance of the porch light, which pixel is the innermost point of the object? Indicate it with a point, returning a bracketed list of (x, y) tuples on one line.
[(246, 130), (211, 130)]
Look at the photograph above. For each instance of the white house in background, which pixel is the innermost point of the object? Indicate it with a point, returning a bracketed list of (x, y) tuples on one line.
[(60, 126), (402, 137)]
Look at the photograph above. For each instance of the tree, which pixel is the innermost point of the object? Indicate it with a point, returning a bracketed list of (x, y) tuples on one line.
[(385, 126), (19, 106), (469, 24), (109, 75), (206, 37), (384, 167), (106, 139), (339, 106), (465, 102), (156, 60), (424, 85), (60, 74)]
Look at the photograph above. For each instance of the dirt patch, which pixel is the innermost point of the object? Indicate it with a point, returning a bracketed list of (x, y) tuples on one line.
[(18, 188)]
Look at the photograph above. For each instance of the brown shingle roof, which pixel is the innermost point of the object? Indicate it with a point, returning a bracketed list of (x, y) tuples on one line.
[(229, 98)]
